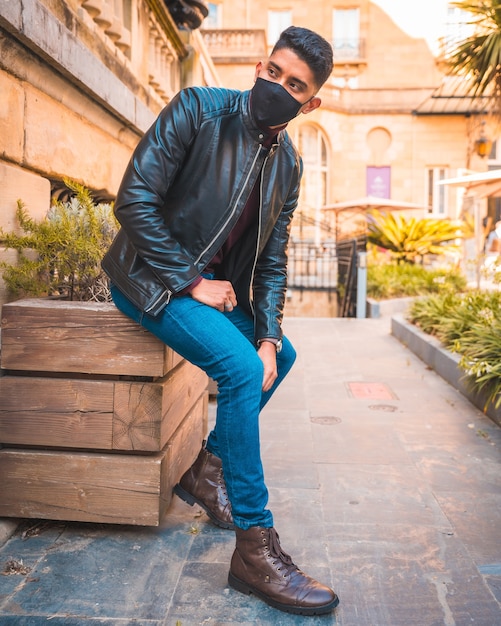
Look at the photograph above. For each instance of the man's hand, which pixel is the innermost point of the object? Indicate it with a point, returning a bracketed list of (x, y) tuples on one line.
[(220, 295), (268, 354), (215, 293)]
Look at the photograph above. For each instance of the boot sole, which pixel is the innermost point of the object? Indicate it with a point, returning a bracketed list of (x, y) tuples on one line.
[(247, 589), (191, 500)]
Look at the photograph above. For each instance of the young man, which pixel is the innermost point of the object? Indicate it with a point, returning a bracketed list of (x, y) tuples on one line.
[(493, 243), (493, 249), (205, 207)]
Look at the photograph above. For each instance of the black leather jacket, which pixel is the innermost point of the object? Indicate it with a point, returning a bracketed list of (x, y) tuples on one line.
[(183, 191)]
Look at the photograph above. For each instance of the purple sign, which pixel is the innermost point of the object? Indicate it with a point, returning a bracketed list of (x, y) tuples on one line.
[(378, 181)]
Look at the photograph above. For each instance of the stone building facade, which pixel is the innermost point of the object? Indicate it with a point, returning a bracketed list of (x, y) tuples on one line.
[(390, 124), (80, 81)]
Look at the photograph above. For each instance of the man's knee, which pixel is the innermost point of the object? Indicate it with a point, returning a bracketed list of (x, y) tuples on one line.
[(243, 368)]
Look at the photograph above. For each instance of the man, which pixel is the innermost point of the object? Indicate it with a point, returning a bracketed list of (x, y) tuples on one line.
[(200, 261), (493, 249), (493, 243)]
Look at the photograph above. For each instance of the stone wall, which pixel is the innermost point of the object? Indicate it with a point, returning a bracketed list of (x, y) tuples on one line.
[(80, 82), (33, 190), (311, 303)]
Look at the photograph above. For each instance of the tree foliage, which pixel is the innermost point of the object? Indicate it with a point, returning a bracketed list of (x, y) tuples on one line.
[(61, 254), (409, 240), (478, 57)]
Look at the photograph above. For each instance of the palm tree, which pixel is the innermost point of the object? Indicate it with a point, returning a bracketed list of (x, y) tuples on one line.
[(477, 58)]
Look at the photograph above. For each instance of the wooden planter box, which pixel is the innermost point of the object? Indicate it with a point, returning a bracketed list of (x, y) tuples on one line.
[(98, 419)]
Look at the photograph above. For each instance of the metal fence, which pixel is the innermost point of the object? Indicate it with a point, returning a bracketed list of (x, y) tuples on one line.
[(312, 266), (323, 264), (347, 253)]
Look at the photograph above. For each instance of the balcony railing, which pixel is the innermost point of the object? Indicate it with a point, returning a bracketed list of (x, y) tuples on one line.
[(235, 45), (114, 23), (349, 49), (113, 18)]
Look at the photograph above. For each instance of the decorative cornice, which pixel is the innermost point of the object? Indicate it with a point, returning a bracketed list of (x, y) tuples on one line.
[(167, 23)]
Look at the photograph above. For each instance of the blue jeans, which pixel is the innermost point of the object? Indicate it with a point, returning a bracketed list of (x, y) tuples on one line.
[(222, 344)]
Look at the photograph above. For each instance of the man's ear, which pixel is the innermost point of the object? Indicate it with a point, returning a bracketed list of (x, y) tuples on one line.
[(313, 104), (259, 67)]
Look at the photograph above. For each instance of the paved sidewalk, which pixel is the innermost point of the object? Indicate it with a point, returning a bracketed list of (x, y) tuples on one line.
[(384, 481)]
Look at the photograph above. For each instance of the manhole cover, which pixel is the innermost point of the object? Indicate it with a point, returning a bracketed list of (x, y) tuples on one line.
[(325, 420), (389, 408)]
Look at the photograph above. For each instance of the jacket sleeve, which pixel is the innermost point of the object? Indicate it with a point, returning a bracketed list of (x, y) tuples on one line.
[(140, 202), (270, 276)]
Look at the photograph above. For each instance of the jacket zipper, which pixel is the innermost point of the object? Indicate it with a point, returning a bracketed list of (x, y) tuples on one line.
[(160, 297), (232, 210), (167, 291), (260, 224)]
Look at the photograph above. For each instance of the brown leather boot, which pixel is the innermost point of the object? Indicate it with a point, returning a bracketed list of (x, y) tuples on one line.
[(204, 484), (260, 566)]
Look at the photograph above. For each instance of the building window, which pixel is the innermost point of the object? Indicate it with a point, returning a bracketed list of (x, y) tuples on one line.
[(436, 195), (345, 82), (458, 26), (495, 155), (215, 17), (313, 149), (346, 33), (278, 21)]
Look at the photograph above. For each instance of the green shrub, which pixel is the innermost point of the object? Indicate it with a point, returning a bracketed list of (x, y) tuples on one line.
[(397, 280), (61, 255), (480, 349), (470, 325)]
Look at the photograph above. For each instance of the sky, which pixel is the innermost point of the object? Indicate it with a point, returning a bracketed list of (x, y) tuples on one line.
[(424, 18)]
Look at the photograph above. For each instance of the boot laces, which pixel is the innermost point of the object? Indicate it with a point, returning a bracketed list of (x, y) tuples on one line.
[(222, 486), (277, 553)]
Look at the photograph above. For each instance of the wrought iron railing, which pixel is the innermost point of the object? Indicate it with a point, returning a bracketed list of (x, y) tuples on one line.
[(312, 256), (347, 251), (312, 267), (348, 49), (323, 263)]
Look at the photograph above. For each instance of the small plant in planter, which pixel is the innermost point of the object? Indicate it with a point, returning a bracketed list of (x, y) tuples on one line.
[(101, 415), (470, 325), (61, 255)]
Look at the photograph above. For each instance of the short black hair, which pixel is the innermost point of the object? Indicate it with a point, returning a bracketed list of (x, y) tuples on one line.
[(311, 48)]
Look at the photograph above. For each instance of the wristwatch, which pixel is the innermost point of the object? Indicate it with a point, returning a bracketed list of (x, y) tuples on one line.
[(277, 342)]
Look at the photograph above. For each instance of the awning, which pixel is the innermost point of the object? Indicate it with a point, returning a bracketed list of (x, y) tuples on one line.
[(372, 202), (453, 97), (481, 184), (349, 210)]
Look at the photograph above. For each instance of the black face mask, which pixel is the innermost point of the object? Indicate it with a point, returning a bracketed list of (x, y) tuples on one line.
[(272, 105)]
